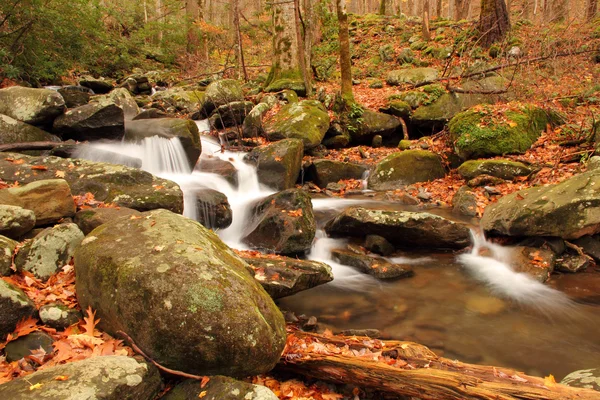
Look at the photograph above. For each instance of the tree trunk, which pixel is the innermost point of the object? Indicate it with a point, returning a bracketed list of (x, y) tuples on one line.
[(493, 21), (591, 9), (191, 13), (300, 30), (558, 11), (425, 30), (242, 73), (438, 8), (345, 63), (382, 7), (461, 10), (159, 12), (410, 369)]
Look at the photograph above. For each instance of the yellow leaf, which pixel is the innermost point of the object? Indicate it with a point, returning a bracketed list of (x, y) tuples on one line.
[(61, 378), (36, 386), (59, 174), (202, 394), (512, 124), (549, 380)]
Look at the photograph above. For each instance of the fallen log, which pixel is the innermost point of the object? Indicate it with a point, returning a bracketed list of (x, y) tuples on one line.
[(29, 146), (410, 369)]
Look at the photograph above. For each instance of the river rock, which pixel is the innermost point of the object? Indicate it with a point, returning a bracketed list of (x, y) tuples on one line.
[(323, 172), (377, 267), (59, 316), (570, 210), (96, 378), (14, 131), (14, 307), (278, 164), (49, 251), (185, 298), (89, 219), (306, 120), (121, 98), (220, 167), (99, 86), (221, 92), (213, 210), (185, 130), (370, 124), (404, 168), (24, 345), (584, 378), (230, 114), (572, 263), (379, 245), (464, 202), (124, 186), (504, 169), (537, 263), (219, 388), (151, 113), (32, 106), (253, 126), (283, 223), (49, 199), (285, 276), (401, 228), (183, 99), (413, 76), (92, 121), (8, 248), (15, 221), (74, 97)]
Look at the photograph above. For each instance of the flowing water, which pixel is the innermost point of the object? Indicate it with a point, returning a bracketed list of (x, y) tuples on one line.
[(470, 306)]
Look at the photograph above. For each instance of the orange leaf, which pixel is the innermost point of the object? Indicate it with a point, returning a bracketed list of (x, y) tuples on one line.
[(40, 167), (204, 381), (90, 323)]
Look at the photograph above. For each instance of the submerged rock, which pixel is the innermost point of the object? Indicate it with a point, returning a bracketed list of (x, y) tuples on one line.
[(404, 168), (378, 267), (219, 388), (32, 106), (278, 164), (185, 298)]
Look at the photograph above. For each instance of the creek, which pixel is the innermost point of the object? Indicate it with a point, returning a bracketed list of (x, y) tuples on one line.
[(468, 307)]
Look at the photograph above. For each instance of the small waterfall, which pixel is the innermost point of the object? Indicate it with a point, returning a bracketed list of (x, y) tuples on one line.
[(495, 271)]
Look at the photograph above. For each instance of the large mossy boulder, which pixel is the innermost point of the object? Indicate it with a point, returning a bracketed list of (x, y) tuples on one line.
[(121, 97), (371, 123), (96, 378), (283, 223), (186, 299), (484, 132), (182, 99), (404, 168), (413, 76), (402, 228), (183, 129), (14, 307), (324, 172), (221, 92), (32, 106), (92, 121), (89, 219), (13, 131), (306, 120), (278, 164), (230, 114), (503, 169), (124, 186), (570, 210), (278, 85)]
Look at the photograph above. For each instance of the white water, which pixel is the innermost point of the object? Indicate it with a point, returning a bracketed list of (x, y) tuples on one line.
[(495, 271)]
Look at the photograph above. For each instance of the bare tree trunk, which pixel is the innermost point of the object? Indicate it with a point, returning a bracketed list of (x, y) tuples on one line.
[(493, 21), (425, 30), (300, 29), (558, 11), (345, 63), (382, 7), (159, 12), (462, 9), (438, 8), (191, 13), (451, 9), (238, 41), (591, 9)]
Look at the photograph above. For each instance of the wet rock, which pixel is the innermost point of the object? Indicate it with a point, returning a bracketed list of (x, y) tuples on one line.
[(283, 223), (306, 120), (15, 221), (371, 124), (96, 378), (285, 276), (124, 186), (253, 126), (151, 113), (404, 168), (538, 263), (219, 388), (92, 121), (570, 210), (90, 219), (49, 251), (213, 210), (485, 305), (464, 202), (323, 172), (401, 228), (572, 263), (485, 180), (278, 164), (14, 306), (8, 248), (123, 99), (590, 246), (185, 130), (585, 378), (59, 316), (14, 131), (413, 76), (24, 345), (74, 97), (504, 169), (220, 167), (377, 267), (32, 106), (187, 100), (221, 92), (187, 300), (99, 86), (372, 333), (49, 199), (556, 245), (230, 114), (379, 245)]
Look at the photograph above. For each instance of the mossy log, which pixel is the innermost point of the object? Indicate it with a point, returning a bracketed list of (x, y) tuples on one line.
[(411, 369)]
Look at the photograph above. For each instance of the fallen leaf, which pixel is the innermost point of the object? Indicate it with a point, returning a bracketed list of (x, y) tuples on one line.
[(36, 386), (40, 167), (59, 174), (61, 378)]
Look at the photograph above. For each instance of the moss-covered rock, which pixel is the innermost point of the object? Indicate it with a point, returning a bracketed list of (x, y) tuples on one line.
[(221, 92), (104, 377), (413, 76), (98, 85), (297, 85), (362, 129), (283, 223), (186, 100), (75, 96), (480, 132), (186, 299), (32, 106), (6, 254), (464, 202), (404, 168), (253, 126), (278, 164), (402, 228), (504, 169), (398, 108), (89, 219), (13, 131), (15, 221), (324, 172), (122, 98), (219, 388), (14, 307), (92, 121), (50, 199), (230, 114), (124, 186), (570, 210), (306, 120)]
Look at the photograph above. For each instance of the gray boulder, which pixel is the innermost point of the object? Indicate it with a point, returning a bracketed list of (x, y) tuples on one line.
[(74, 97), (14, 306), (413, 76), (401, 228), (220, 167), (121, 98), (8, 248), (92, 121), (213, 209), (96, 378), (15, 221), (49, 251), (324, 172), (283, 223), (221, 92), (230, 114), (185, 298), (278, 164), (464, 202), (504, 169), (24, 345), (59, 316), (377, 267), (219, 388), (89, 219), (306, 120), (14, 131), (182, 99), (32, 106), (370, 124), (404, 168), (585, 378), (49, 199), (98, 85), (253, 126)]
